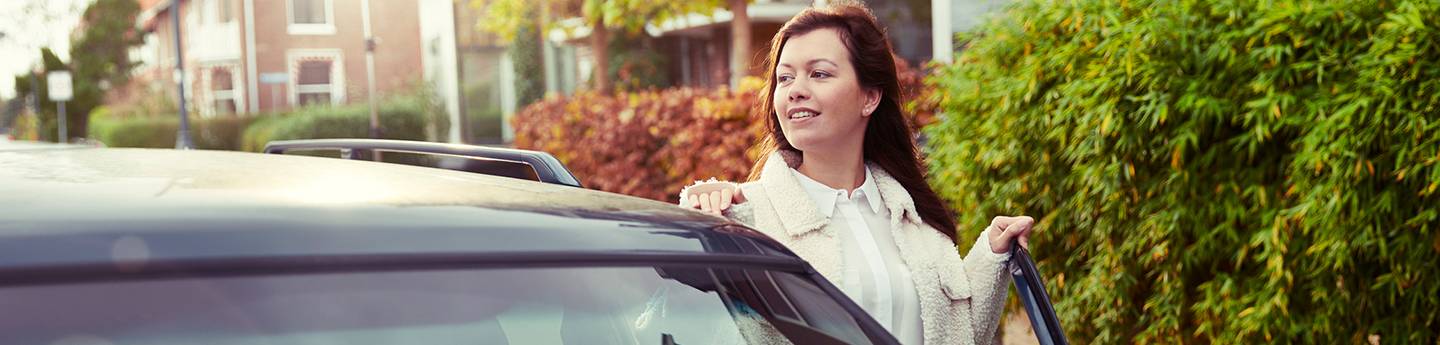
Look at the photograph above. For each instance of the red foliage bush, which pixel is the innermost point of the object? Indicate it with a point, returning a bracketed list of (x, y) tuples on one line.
[(646, 144)]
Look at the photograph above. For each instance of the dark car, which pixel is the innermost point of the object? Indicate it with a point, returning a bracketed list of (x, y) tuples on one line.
[(142, 246)]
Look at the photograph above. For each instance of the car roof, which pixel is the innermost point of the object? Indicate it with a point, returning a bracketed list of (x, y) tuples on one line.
[(109, 205)]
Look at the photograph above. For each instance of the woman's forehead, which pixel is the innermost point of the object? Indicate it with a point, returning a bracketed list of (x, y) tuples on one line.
[(813, 48)]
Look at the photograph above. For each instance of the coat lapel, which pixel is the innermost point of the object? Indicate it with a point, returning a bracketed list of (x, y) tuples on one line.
[(784, 190), (896, 198), (920, 257)]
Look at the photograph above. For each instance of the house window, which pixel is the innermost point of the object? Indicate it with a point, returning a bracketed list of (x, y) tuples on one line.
[(316, 76), (222, 91), (311, 17), (314, 84)]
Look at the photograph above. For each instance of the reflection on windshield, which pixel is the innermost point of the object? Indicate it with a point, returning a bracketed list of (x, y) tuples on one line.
[(600, 305)]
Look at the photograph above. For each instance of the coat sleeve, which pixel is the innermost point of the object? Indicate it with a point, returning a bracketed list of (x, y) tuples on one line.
[(990, 282), (742, 213)]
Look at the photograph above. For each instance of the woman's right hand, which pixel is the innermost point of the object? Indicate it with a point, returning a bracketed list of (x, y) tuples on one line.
[(713, 197)]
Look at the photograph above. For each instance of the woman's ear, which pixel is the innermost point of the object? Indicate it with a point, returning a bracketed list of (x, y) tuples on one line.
[(872, 101)]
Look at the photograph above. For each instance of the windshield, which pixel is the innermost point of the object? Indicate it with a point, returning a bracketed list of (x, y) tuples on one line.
[(592, 305)]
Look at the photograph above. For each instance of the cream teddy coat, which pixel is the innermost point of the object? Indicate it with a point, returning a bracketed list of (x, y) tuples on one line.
[(960, 299)]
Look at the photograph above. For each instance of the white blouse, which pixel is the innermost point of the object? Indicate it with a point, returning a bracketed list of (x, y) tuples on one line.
[(875, 275)]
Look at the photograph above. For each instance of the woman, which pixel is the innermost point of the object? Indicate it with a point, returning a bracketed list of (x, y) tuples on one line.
[(842, 185)]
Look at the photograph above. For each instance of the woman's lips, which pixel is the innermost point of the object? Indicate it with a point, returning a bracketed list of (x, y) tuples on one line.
[(803, 120), (802, 114)]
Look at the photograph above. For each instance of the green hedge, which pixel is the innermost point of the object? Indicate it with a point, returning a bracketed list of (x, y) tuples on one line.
[(1209, 171), (218, 133), (405, 117)]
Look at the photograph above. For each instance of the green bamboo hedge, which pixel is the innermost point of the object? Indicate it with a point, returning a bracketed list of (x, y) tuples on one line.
[(1209, 171)]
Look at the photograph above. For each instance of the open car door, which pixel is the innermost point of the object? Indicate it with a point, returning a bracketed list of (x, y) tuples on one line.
[(1037, 302)]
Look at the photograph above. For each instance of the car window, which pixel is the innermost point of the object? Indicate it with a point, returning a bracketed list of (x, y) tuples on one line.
[(504, 168), (584, 305)]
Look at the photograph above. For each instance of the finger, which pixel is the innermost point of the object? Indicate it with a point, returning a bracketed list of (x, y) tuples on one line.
[(704, 202), (1018, 228), (1026, 221), (715, 202), (725, 197), (739, 196), (1004, 222), (693, 200), (1027, 225), (995, 232), (1025, 242)]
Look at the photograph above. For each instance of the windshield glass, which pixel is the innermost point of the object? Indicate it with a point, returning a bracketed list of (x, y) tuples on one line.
[(591, 305)]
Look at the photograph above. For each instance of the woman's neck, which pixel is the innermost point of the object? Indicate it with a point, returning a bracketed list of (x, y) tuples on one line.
[(839, 170)]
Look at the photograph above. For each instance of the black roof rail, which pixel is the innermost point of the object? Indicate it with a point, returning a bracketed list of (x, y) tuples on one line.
[(545, 167), (1036, 301)]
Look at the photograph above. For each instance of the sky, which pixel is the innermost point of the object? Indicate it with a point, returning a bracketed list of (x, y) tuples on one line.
[(28, 25)]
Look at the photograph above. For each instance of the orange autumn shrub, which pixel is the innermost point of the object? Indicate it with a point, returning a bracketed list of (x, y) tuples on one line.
[(647, 144)]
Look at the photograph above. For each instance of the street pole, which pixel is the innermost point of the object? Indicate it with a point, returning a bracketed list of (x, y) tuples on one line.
[(182, 136), (60, 91), (370, 77), (60, 115), (370, 71)]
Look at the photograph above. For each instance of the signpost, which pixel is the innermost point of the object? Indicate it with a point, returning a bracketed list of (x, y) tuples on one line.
[(60, 91), (274, 79)]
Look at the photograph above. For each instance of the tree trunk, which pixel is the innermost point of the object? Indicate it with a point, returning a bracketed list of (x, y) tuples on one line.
[(599, 45), (739, 42)]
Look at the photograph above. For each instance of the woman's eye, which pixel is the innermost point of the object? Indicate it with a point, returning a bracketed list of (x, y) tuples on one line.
[(784, 78), (819, 74)]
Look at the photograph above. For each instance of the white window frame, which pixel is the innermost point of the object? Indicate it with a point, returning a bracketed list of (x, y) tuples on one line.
[(208, 95), (327, 28), (337, 73), (233, 94)]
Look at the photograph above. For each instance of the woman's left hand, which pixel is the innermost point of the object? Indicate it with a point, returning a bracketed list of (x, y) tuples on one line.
[(1004, 230)]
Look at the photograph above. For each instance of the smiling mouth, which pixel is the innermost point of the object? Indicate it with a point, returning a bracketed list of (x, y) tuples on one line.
[(803, 114)]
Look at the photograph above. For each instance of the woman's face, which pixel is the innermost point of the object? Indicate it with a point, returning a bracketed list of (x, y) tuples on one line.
[(818, 97)]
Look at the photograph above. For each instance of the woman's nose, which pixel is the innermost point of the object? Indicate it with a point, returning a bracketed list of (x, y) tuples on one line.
[(798, 91)]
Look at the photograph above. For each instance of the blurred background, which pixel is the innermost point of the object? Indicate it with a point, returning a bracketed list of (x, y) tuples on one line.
[(478, 61), (1232, 171)]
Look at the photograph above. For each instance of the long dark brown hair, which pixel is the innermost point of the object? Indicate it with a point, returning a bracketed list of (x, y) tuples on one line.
[(889, 140)]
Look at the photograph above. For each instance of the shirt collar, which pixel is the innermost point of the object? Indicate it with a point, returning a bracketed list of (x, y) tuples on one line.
[(825, 197)]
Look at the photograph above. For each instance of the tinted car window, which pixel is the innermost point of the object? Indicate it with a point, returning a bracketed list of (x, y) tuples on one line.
[(579, 305), (481, 166)]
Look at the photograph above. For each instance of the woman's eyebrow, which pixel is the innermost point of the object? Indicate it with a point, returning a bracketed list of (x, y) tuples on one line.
[(812, 62)]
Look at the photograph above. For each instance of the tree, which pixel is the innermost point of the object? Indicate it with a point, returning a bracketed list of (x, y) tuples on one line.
[(739, 41), (529, 65), (100, 57), (48, 125)]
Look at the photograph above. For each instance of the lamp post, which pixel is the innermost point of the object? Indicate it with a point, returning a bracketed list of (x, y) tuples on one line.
[(370, 71), (182, 135)]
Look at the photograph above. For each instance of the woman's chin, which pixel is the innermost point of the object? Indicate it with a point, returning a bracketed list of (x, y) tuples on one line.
[(803, 144)]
